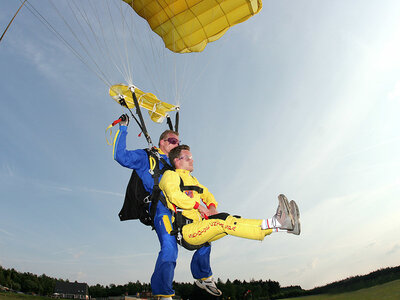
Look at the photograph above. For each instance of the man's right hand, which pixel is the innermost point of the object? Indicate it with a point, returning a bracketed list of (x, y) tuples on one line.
[(212, 210), (124, 120), (203, 211)]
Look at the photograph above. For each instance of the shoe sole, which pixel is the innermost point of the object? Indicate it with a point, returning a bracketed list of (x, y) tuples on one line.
[(205, 287), (296, 213), (283, 201)]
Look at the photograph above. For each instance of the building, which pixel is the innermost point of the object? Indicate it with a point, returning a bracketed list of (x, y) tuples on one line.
[(71, 290)]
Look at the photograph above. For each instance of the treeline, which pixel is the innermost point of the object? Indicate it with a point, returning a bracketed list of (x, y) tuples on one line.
[(231, 290), (350, 284), (234, 290), (44, 285), (27, 282), (359, 282)]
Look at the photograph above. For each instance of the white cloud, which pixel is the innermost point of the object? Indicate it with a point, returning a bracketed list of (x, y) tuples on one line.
[(6, 232), (395, 249), (8, 169), (80, 276), (90, 190)]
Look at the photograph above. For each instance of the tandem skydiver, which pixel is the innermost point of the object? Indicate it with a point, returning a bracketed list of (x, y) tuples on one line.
[(184, 193), (138, 160)]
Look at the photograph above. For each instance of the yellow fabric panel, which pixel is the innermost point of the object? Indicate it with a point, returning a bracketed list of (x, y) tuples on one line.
[(167, 224), (198, 233), (188, 25), (170, 185), (157, 109)]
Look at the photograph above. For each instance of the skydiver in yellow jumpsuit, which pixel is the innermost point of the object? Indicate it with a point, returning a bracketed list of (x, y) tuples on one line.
[(206, 224)]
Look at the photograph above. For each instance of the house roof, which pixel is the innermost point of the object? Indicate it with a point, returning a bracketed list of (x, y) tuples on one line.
[(71, 288)]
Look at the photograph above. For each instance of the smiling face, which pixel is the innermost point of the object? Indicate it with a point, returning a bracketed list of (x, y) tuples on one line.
[(184, 161)]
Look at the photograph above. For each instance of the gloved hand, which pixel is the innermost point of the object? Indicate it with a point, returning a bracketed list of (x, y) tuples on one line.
[(124, 120)]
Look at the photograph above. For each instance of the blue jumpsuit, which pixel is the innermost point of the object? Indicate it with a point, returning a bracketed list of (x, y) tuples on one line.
[(163, 275)]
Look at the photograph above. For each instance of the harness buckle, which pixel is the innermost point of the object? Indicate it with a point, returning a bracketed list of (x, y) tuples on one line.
[(151, 172), (179, 236), (147, 199), (155, 152)]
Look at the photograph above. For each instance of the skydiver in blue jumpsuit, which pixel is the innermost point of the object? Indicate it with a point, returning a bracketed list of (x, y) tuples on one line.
[(161, 280)]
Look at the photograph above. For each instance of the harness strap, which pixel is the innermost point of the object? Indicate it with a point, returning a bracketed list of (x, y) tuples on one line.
[(181, 220), (156, 172), (190, 187)]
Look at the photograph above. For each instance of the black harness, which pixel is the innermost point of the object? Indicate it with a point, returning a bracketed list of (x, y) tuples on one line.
[(137, 199), (181, 220), (157, 172), (140, 204)]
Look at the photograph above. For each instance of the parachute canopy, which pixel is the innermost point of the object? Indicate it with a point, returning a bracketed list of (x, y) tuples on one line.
[(157, 109), (188, 25)]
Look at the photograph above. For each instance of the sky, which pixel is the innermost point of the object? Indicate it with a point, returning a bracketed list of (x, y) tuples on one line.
[(302, 99)]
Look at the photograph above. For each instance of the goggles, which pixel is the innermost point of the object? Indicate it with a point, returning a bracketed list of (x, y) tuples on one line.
[(186, 157), (172, 141)]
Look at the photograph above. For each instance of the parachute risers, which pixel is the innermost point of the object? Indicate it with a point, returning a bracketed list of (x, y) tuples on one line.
[(131, 96)]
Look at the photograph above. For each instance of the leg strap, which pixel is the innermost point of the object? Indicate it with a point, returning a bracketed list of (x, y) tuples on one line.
[(178, 223)]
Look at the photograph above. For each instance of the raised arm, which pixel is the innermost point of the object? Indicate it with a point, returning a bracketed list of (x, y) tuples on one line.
[(133, 159)]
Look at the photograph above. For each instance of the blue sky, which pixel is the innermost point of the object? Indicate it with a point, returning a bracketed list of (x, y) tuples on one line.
[(302, 99)]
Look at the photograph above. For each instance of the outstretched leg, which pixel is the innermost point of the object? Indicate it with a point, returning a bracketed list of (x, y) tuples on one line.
[(286, 218)]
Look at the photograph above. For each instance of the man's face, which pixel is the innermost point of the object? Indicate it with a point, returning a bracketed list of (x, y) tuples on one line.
[(169, 142), (184, 161)]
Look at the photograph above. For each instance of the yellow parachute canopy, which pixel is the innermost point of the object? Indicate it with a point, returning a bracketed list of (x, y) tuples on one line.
[(157, 109), (188, 25)]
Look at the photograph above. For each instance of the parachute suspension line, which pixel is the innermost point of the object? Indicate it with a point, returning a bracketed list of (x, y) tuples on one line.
[(118, 46), (105, 47), (127, 66), (102, 45), (99, 71), (128, 33), (43, 20), (9, 24), (85, 18), (182, 83), (154, 52)]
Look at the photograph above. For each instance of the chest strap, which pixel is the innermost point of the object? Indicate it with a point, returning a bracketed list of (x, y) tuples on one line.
[(190, 187)]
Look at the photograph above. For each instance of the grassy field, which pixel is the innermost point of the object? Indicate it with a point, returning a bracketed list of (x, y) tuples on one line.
[(12, 296), (387, 291)]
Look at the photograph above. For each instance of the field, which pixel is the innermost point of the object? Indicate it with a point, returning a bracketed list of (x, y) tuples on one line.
[(13, 296), (387, 291)]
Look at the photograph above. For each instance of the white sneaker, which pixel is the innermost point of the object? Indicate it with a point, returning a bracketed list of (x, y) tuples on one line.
[(294, 211), (209, 285), (283, 216)]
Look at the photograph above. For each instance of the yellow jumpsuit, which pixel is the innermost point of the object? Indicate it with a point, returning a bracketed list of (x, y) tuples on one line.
[(204, 230)]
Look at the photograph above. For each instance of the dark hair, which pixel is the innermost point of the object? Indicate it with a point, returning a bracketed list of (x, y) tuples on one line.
[(165, 133), (176, 152)]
